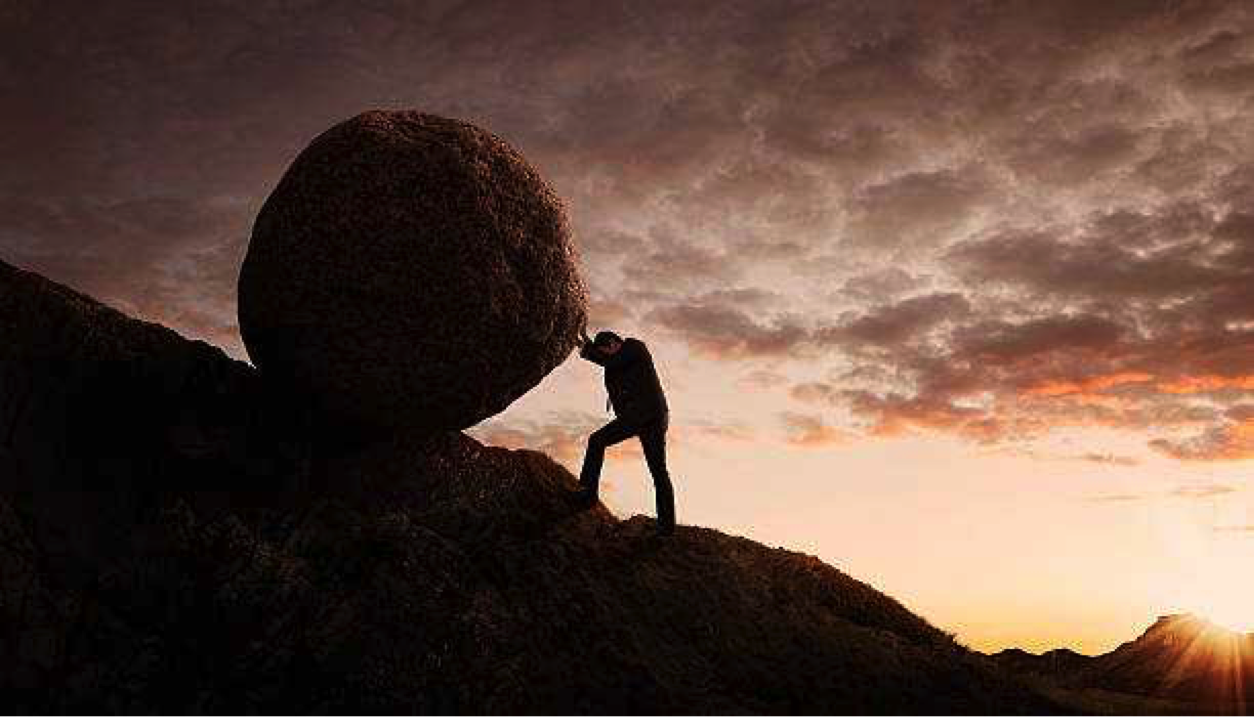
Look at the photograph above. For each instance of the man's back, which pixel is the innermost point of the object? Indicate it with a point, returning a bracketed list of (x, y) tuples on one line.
[(631, 381)]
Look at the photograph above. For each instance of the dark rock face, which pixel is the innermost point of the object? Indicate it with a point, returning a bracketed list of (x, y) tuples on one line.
[(410, 271), (169, 543), (102, 415)]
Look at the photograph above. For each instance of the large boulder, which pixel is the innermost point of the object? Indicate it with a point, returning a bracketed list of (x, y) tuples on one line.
[(410, 271)]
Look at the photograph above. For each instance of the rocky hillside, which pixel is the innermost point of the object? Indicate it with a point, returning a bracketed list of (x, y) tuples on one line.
[(177, 536)]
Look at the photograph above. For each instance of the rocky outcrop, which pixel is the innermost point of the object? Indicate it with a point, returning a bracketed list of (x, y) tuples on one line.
[(410, 271), (168, 544)]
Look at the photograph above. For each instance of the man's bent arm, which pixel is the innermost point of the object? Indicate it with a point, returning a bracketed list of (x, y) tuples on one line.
[(629, 353), (589, 353)]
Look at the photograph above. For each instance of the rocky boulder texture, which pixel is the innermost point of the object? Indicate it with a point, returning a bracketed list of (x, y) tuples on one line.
[(410, 271), (171, 541)]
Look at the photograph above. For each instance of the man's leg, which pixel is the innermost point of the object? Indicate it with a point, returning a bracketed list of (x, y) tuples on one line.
[(654, 441), (600, 439)]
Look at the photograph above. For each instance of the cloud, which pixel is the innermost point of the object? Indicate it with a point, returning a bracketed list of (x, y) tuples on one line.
[(563, 435), (678, 263), (1178, 252), (723, 332), (1109, 459), (892, 324), (1115, 498), (1205, 490), (168, 259), (916, 207), (812, 392), (608, 312), (1230, 441), (881, 285), (993, 380), (734, 431), (1070, 159), (810, 431), (986, 220), (761, 379)]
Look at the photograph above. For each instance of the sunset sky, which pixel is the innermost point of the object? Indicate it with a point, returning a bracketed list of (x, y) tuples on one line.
[(956, 296)]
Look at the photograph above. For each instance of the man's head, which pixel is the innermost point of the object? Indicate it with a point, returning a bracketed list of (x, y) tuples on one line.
[(608, 342)]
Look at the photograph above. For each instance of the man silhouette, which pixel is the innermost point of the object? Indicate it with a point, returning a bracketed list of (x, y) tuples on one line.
[(640, 409)]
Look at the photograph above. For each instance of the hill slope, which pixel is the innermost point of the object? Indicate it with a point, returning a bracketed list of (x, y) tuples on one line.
[(1180, 664), (1181, 657), (176, 536)]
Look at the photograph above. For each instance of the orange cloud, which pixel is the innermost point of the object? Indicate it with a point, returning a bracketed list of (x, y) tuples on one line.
[(810, 431), (1229, 442), (1088, 385), (1200, 384)]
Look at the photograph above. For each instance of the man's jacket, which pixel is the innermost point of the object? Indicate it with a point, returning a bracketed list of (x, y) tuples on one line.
[(631, 381)]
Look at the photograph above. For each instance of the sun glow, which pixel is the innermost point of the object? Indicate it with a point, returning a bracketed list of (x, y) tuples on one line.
[(1221, 593), (1205, 581), (1211, 592), (1227, 611)]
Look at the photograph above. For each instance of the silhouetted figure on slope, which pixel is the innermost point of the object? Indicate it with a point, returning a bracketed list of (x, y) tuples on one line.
[(640, 409)]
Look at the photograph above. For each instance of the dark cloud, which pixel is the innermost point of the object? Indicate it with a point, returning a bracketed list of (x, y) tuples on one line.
[(990, 220), (1181, 252), (1072, 159), (917, 207), (995, 380), (893, 324), (673, 263), (724, 332), (881, 285), (164, 259)]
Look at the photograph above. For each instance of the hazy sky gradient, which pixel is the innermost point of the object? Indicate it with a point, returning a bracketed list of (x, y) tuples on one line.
[(957, 296)]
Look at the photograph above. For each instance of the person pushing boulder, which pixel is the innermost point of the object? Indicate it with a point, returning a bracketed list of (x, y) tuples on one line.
[(640, 410)]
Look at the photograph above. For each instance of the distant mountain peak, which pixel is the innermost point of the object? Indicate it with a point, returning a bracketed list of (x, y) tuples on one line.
[(1187, 628)]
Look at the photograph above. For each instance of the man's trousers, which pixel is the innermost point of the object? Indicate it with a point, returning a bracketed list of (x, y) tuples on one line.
[(653, 437)]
